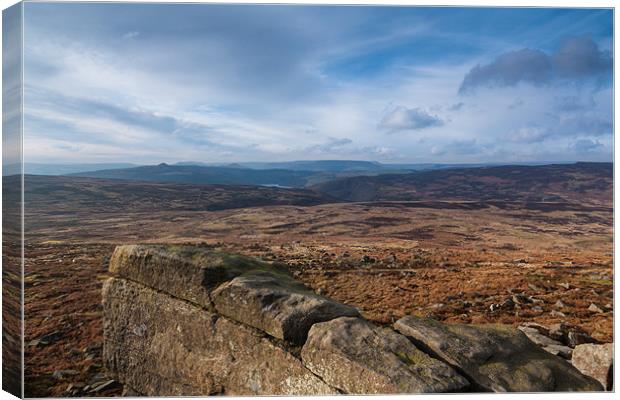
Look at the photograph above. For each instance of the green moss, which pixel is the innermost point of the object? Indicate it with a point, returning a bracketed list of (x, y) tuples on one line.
[(413, 358)]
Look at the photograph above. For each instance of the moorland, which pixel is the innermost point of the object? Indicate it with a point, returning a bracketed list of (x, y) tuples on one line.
[(451, 243)]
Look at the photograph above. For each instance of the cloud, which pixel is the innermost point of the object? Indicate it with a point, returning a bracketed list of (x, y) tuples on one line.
[(580, 57), (529, 134), (586, 146), (401, 118), (457, 106), (331, 145), (508, 69), (236, 83), (130, 34), (577, 58), (459, 147)]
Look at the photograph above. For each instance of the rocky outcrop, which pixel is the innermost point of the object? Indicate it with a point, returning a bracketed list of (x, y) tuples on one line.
[(276, 304), (495, 357), (185, 272), (183, 320), (162, 346), (597, 361), (358, 357)]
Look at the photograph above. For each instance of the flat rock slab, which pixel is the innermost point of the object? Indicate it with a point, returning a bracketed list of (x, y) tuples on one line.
[(277, 304), (162, 346), (185, 272), (597, 361), (358, 357), (495, 357)]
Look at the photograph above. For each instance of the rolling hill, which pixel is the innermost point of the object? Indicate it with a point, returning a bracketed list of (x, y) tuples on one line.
[(60, 194), (580, 182), (201, 175)]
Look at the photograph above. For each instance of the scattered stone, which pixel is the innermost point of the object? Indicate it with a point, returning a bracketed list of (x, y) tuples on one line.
[(64, 373), (520, 298), (595, 360), (97, 378), (534, 287), (49, 338), (368, 260), (101, 386), (537, 309), (559, 304), (358, 357), (75, 388), (540, 328), (277, 304), (507, 304), (595, 309), (558, 332), (75, 385), (495, 357), (537, 337), (559, 350), (564, 285), (557, 314), (575, 338)]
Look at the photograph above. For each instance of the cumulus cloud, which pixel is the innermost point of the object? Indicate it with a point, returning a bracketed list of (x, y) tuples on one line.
[(401, 118), (577, 58), (508, 69), (580, 57)]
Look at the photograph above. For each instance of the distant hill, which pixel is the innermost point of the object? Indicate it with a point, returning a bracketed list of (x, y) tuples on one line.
[(70, 194), (61, 169), (337, 166), (317, 166), (205, 175), (578, 182)]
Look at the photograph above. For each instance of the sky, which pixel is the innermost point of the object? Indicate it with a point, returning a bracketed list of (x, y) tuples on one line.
[(150, 83)]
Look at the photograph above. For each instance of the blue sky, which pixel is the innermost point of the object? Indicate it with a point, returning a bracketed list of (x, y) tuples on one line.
[(151, 83)]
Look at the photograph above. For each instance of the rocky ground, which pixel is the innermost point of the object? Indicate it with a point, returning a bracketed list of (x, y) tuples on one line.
[(449, 261)]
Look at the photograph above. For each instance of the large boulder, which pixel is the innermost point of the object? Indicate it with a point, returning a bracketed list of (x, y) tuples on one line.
[(597, 361), (495, 357), (162, 346), (358, 357), (277, 304), (186, 272)]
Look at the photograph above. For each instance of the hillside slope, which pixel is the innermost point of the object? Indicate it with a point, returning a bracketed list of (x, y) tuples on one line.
[(195, 174), (590, 183), (63, 193)]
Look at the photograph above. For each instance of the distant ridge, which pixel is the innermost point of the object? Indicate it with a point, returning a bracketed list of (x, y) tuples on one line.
[(61, 169), (579, 182), (205, 175)]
